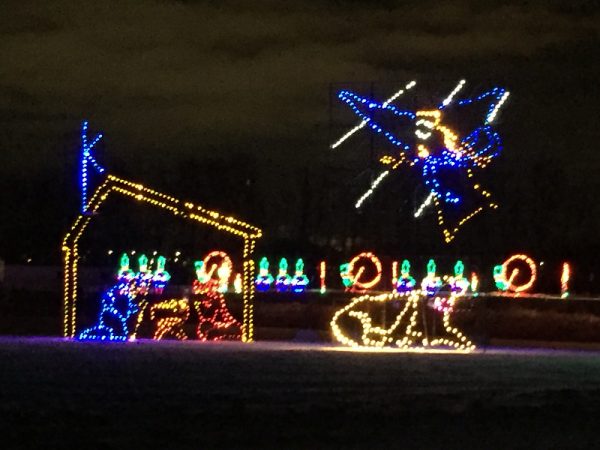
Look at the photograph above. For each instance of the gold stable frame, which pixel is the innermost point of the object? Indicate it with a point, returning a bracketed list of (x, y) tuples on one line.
[(185, 210)]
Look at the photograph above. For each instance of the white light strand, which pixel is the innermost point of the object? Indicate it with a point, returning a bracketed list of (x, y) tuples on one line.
[(425, 204), (423, 136), (492, 115), (364, 122), (458, 87), (381, 176), (426, 123)]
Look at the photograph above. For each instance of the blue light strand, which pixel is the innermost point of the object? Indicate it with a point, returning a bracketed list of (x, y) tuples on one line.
[(134, 287), (497, 93), (104, 332), (474, 151), (85, 159), (430, 167), (489, 151), (354, 100), (447, 158)]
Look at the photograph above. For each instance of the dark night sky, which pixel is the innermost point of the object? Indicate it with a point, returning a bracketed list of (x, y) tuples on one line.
[(175, 84)]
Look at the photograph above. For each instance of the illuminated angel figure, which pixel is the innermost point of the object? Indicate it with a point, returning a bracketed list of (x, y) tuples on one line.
[(426, 140)]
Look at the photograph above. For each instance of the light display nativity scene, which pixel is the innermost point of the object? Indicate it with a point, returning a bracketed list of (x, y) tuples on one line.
[(387, 305)]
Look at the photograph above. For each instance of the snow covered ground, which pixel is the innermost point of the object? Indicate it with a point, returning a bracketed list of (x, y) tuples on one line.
[(172, 395)]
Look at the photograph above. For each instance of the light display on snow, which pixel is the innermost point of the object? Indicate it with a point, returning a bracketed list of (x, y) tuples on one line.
[(112, 185), (406, 330), (448, 162), (123, 306)]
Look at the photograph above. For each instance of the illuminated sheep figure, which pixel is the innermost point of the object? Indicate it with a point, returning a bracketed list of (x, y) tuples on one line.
[(403, 332)]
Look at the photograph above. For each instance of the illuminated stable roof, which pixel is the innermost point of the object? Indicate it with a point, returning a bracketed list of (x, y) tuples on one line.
[(186, 210)]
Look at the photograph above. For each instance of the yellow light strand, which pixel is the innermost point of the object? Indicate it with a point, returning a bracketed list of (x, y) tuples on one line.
[(70, 245), (408, 340)]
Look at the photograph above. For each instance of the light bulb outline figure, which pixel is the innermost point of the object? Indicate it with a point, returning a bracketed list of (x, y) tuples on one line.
[(463, 155)]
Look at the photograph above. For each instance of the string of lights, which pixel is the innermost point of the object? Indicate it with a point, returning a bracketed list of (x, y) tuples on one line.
[(123, 301), (564, 280), (86, 158), (364, 122), (283, 280), (352, 278), (215, 322), (506, 282), (374, 185), (322, 277), (401, 333), (186, 210), (170, 317), (264, 279), (475, 151), (300, 280)]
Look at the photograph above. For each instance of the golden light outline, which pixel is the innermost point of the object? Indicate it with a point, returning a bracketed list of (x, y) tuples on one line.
[(185, 210)]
